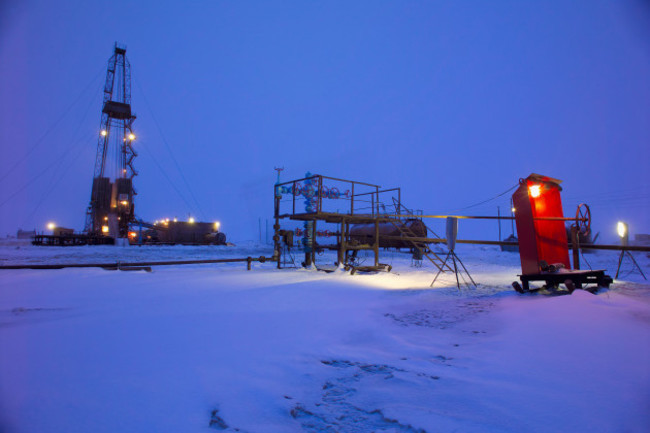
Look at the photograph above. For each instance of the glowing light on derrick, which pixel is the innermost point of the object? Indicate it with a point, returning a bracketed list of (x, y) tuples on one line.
[(535, 190), (51, 226), (513, 210), (131, 136), (104, 229), (621, 229), (104, 133), (217, 224), (191, 220)]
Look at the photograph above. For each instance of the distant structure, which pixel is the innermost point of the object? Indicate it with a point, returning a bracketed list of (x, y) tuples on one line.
[(111, 207), (25, 234)]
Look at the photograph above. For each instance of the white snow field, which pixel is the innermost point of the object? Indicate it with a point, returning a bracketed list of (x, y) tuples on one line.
[(200, 348)]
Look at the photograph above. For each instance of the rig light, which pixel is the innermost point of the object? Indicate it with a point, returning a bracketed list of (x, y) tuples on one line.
[(104, 133), (124, 202), (191, 220), (535, 190), (51, 226), (131, 136), (623, 232), (104, 229), (217, 224), (513, 210), (175, 220)]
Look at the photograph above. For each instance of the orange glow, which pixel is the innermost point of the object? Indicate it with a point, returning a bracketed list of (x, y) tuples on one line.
[(535, 190), (104, 229), (132, 234)]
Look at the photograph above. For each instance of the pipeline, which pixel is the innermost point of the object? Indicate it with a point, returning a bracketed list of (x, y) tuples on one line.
[(122, 265)]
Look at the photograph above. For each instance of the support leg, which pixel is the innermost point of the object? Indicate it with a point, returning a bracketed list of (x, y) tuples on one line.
[(636, 264), (466, 271), (453, 258), (620, 260), (440, 270)]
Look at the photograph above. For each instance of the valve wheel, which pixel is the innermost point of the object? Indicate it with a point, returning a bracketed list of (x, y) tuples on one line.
[(583, 218)]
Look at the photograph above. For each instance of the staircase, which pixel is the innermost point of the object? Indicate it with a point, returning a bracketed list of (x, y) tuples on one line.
[(411, 238)]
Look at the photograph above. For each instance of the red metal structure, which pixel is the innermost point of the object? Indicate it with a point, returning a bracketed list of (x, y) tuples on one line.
[(540, 240), (543, 246)]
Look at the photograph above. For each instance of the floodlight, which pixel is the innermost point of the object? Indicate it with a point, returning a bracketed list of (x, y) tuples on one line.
[(51, 226), (535, 190), (191, 220), (217, 224), (623, 232), (104, 229), (104, 133), (131, 136)]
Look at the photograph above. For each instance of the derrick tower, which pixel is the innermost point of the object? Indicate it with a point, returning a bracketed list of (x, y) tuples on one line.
[(111, 206)]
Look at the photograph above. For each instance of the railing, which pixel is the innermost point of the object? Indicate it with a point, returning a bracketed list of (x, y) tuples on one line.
[(323, 194)]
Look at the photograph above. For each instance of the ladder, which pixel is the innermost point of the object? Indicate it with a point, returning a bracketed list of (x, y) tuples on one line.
[(409, 236)]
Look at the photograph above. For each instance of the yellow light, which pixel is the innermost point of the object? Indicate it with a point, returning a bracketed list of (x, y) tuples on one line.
[(175, 220), (124, 202), (513, 210), (217, 224), (105, 218), (51, 226), (104, 133), (191, 220), (131, 136), (535, 190), (133, 234), (104, 229), (621, 229)]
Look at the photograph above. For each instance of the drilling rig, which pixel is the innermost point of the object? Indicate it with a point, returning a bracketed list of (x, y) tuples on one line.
[(111, 207)]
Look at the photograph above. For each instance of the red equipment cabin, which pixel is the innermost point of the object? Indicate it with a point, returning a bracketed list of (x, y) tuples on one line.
[(540, 239)]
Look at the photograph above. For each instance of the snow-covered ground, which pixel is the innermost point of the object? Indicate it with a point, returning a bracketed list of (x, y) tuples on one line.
[(215, 347)]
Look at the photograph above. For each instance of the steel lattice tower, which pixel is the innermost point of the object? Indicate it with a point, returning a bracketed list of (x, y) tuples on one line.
[(111, 206)]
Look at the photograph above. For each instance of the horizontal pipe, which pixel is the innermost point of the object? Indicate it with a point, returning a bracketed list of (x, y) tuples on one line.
[(466, 217), (515, 244), (261, 259)]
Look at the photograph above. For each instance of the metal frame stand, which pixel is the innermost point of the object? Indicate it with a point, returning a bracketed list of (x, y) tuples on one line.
[(454, 257), (620, 262)]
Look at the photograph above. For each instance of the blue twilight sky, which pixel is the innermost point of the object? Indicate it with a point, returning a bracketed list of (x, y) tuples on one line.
[(453, 101)]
